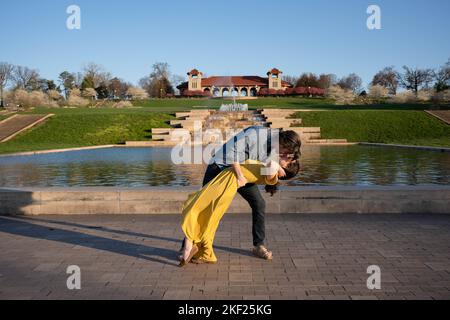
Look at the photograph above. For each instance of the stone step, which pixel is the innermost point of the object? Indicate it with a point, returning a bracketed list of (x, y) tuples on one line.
[(182, 114), (301, 130), (286, 122), (278, 112), (184, 123), (326, 141), (310, 136), (201, 112), (195, 118), (161, 130)]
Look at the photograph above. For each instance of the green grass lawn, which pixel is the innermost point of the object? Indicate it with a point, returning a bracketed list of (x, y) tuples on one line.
[(173, 105), (79, 127), (380, 126), (87, 127)]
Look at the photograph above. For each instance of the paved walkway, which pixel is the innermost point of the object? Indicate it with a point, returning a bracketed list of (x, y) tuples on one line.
[(316, 257), (16, 124), (443, 115)]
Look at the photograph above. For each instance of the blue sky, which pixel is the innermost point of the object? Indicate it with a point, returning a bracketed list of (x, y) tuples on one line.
[(225, 38)]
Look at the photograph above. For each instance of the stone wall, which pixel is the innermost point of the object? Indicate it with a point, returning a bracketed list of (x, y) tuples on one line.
[(302, 200)]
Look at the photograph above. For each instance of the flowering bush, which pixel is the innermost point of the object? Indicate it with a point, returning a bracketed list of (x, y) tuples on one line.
[(123, 104), (377, 91), (137, 93), (31, 99), (341, 96)]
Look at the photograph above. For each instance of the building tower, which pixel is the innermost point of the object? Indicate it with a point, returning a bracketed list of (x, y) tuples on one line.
[(275, 79), (195, 80)]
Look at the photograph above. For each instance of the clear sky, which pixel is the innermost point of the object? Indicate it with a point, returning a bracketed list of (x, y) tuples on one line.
[(231, 37)]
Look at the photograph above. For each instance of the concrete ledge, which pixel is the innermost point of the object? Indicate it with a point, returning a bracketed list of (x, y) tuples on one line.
[(441, 149), (30, 153), (302, 200)]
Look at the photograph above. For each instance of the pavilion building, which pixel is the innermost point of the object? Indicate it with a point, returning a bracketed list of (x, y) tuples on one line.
[(238, 86)]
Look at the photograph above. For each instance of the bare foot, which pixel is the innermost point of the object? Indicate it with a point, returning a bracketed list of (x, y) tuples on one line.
[(189, 251)]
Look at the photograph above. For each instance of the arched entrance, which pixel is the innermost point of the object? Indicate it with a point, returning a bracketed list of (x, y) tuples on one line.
[(216, 92), (235, 92), (207, 91), (253, 92), (244, 92), (225, 92)]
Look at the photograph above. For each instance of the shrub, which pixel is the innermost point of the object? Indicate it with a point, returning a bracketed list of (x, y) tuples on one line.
[(75, 100), (316, 91), (377, 91), (340, 95), (268, 92), (301, 91), (89, 93), (404, 97), (75, 92), (425, 95), (289, 91), (123, 104), (441, 97), (54, 95), (137, 93), (192, 94), (31, 99)]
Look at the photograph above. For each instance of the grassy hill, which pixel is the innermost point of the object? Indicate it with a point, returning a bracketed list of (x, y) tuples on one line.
[(77, 127)]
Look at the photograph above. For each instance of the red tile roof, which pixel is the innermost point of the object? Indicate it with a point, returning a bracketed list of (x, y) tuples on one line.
[(274, 71), (194, 72), (238, 81)]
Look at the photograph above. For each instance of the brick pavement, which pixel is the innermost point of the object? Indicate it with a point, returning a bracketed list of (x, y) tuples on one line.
[(316, 257)]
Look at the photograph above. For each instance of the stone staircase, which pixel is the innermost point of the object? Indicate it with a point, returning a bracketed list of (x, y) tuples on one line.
[(213, 119), (12, 126)]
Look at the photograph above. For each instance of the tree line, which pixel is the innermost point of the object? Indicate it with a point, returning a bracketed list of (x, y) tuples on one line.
[(94, 82), (410, 78)]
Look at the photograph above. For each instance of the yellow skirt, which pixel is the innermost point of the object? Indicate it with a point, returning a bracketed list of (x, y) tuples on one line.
[(203, 210)]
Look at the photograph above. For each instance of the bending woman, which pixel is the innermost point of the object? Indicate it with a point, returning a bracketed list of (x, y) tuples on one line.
[(203, 210)]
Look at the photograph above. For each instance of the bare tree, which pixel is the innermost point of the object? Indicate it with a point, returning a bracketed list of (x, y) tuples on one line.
[(415, 79), (97, 73), (351, 82), (308, 80), (157, 84), (442, 77), (118, 88), (6, 73), (387, 78), (291, 79), (327, 80), (177, 80), (160, 70), (25, 78)]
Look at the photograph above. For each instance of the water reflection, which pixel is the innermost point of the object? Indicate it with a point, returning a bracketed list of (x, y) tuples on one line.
[(321, 165)]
